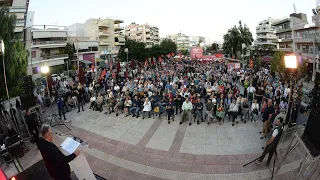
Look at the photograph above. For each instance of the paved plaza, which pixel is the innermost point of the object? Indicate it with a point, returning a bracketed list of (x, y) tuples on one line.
[(135, 148)]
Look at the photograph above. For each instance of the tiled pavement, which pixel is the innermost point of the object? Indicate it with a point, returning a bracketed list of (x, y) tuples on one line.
[(132, 148)]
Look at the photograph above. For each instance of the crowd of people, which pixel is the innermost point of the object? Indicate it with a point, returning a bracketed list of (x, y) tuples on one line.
[(200, 92)]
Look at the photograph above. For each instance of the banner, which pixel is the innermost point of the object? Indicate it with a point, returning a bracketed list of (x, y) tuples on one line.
[(196, 52)]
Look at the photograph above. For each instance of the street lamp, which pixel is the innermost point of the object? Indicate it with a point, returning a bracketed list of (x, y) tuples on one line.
[(127, 51), (291, 65), (4, 69), (45, 70)]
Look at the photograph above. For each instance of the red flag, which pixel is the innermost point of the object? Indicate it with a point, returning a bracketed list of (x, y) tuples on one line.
[(110, 65), (118, 66), (127, 73), (81, 75), (104, 72), (92, 68)]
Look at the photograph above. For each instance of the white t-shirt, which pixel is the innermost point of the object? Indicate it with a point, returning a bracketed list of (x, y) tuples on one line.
[(251, 89), (275, 133)]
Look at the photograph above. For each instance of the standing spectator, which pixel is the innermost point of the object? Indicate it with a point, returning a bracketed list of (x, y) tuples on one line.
[(60, 104), (170, 110), (266, 119)]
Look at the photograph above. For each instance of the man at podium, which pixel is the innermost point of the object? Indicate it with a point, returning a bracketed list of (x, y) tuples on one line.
[(56, 162)]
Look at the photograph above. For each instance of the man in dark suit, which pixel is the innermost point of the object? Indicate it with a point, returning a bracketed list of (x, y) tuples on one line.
[(56, 162), (32, 125)]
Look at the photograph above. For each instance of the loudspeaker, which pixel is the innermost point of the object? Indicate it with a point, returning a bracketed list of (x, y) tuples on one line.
[(27, 85), (312, 133), (27, 100)]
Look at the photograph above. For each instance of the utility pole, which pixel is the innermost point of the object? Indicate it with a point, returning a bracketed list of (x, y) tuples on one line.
[(77, 45), (314, 59)]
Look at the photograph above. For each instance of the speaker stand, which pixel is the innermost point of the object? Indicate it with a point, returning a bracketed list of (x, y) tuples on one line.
[(58, 121), (308, 163)]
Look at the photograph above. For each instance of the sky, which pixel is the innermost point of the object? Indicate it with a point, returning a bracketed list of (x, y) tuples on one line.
[(209, 18)]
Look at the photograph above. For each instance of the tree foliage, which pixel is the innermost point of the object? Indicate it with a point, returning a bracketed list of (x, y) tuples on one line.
[(15, 55), (235, 37), (278, 66), (138, 50), (168, 46)]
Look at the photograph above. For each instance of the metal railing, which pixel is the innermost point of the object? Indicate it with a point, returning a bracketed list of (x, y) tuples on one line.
[(47, 42), (52, 56)]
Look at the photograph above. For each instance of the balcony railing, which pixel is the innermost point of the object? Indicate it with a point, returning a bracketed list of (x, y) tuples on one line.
[(101, 33), (53, 56), (47, 42)]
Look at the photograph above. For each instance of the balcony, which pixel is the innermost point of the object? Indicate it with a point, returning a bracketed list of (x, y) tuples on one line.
[(266, 37), (283, 30), (306, 38), (102, 33), (262, 30), (53, 56), (48, 44), (282, 40), (119, 43), (103, 25), (17, 9), (105, 43), (117, 27)]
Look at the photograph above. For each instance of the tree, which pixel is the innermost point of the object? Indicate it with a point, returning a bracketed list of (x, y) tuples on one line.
[(70, 50), (137, 50), (168, 46), (278, 66), (214, 46), (235, 37), (15, 56)]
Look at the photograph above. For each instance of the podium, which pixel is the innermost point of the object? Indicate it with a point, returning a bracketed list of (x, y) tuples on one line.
[(80, 164)]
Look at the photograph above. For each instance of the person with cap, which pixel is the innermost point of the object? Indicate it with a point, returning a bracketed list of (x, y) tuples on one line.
[(272, 143)]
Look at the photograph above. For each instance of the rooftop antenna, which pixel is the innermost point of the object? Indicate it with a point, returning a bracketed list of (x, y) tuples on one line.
[(295, 9)]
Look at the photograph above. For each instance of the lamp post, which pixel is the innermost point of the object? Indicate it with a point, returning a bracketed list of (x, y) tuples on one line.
[(45, 70), (291, 65), (4, 69), (127, 51)]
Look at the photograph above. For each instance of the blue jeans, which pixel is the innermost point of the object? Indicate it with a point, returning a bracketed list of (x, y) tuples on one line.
[(135, 110)]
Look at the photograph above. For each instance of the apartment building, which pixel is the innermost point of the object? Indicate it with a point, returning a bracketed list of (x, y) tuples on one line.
[(143, 33), (46, 44), (182, 40), (108, 32), (20, 9), (266, 33), (307, 39), (284, 31), (196, 40), (76, 30), (88, 50)]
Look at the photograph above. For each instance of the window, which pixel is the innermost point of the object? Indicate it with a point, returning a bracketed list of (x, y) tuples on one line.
[(33, 54)]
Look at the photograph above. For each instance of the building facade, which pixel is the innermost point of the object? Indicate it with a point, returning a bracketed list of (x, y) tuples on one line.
[(182, 40), (108, 32), (76, 30), (143, 33), (285, 41), (20, 9), (46, 44), (266, 34), (196, 40)]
